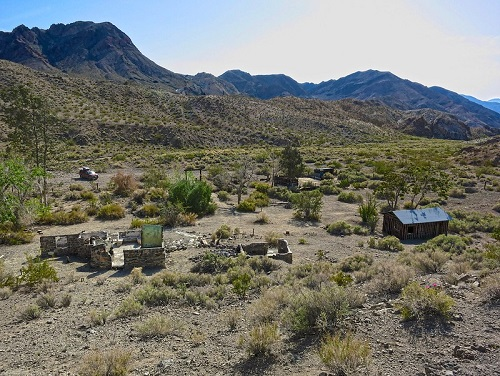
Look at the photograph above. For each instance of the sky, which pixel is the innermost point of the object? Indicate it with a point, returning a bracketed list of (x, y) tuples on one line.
[(454, 44)]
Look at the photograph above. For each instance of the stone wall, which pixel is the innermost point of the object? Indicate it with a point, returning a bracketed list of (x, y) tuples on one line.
[(100, 257), (144, 257)]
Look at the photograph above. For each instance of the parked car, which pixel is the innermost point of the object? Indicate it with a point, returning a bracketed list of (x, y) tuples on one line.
[(88, 174)]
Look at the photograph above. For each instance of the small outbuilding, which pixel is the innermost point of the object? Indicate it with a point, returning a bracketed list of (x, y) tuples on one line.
[(416, 223)]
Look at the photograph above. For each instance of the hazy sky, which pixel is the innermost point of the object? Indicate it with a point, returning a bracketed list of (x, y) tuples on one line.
[(450, 43)]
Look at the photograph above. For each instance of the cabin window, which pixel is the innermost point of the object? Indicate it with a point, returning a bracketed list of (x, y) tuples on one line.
[(410, 229)]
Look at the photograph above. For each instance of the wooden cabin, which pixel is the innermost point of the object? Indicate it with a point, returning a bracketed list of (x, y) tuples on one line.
[(416, 223)]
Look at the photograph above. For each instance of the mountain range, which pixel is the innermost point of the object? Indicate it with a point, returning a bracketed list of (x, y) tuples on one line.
[(100, 51)]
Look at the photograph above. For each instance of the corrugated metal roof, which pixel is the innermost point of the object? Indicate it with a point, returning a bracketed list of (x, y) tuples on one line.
[(421, 215)]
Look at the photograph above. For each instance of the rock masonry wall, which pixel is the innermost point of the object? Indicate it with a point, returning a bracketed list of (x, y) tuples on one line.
[(145, 257)]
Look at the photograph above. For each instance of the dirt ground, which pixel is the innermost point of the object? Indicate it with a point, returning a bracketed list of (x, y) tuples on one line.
[(56, 342)]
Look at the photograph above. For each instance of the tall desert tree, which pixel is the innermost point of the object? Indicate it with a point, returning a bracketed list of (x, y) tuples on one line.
[(243, 173), (291, 162), (33, 128), (16, 189)]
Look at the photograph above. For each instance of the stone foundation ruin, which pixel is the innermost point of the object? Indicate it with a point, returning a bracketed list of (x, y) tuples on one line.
[(104, 251)]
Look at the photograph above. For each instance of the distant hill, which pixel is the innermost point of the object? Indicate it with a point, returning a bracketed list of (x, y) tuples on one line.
[(492, 104), (383, 86), (100, 51)]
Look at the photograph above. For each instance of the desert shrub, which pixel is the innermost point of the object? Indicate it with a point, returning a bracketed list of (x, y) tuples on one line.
[(223, 232), (490, 289), (279, 193), (261, 199), (426, 261), (457, 193), (139, 196), (137, 277), (76, 187), (151, 295), (263, 264), (223, 196), (469, 222), (247, 206), (341, 279), (329, 189), (497, 207), (5, 292), (350, 197), (418, 303), (155, 177), (356, 262), (389, 277), (454, 244), (46, 300), (111, 211), (66, 300), (192, 196), (112, 362), (187, 219), (37, 271), (213, 263), (88, 196), (149, 211), (6, 278), (129, 307), (98, 318), (157, 326), (74, 216), (360, 230), (369, 212), (232, 318), (339, 228), (307, 205), (262, 218), (261, 339), (262, 187), (389, 243), (313, 310), (156, 194), (138, 222), (123, 184), (11, 236), (241, 279), (272, 237), (268, 306), (344, 355), (31, 312)]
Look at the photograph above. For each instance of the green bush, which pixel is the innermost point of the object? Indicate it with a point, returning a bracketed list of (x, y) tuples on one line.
[(151, 295), (329, 189), (149, 211), (356, 262), (12, 237), (129, 307), (307, 205), (339, 228), (350, 197), (192, 196), (454, 244), (213, 263), (88, 196), (418, 303), (342, 279), (344, 355), (37, 271), (247, 206), (223, 232), (111, 211), (74, 216), (389, 243), (261, 199)]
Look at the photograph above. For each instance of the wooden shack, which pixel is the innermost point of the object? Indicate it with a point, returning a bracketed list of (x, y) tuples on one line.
[(416, 223)]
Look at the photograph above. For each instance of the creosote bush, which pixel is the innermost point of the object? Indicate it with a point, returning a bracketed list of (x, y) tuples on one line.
[(343, 355), (389, 243), (37, 271), (339, 228), (157, 326), (350, 197)]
